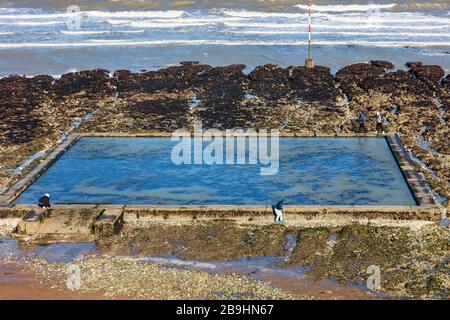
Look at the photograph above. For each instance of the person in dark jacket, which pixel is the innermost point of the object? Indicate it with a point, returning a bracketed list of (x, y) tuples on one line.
[(362, 122), (44, 202), (278, 211)]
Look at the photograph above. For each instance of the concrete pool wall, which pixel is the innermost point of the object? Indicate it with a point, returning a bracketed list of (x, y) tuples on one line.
[(425, 209)]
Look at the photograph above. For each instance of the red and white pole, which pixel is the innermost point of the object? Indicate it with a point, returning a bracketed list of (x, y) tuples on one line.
[(309, 28), (309, 63)]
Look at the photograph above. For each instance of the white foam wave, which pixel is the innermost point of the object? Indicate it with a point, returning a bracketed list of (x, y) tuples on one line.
[(346, 33), (84, 32), (118, 22), (410, 19), (435, 54), (346, 8), (100, 32), (124, 43), (136, 14), (27, 16), (99, 14), (129, 31), (340, 26), (258, 14), (168, 24), (33, 23)]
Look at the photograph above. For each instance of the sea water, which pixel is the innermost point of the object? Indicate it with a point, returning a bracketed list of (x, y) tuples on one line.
[(42, 38)]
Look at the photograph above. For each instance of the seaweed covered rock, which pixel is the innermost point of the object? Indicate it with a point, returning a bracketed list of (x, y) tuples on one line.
[(89, 82), (351, 77), (446, 82), (355, 73), (176, 78), (21, 98), (313, 85), (428, 73), (270, 81), (223, 83)]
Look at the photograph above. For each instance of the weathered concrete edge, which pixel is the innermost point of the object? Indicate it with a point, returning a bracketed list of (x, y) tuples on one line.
[(416, 184), (268, 133), (20, 186), (367, 212), (428, 213)]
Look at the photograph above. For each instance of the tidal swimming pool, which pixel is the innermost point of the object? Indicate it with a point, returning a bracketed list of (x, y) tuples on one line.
[(312, 171)]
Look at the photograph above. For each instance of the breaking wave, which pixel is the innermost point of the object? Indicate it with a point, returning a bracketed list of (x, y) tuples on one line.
[(302, 26), (33, 23), (346, 33), (347, 8), (98, 14), (99, 32)]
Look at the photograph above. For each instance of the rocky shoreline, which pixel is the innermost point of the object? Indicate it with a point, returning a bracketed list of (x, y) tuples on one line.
[(236, 259), (38, 112)]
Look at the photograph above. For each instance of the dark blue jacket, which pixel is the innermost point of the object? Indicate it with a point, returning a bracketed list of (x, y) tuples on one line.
[(44, 202), (279, 205)]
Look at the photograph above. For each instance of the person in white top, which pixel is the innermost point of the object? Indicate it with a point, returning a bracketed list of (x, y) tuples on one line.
[(379, 118)]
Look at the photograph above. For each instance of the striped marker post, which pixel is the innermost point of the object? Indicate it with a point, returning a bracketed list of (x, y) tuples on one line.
[(309, 63)]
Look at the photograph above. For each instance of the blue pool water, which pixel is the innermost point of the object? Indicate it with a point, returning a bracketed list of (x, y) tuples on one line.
[(313, 171)]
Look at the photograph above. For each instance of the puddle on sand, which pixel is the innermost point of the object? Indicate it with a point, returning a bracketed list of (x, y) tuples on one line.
[(269, 269), (57, 252)]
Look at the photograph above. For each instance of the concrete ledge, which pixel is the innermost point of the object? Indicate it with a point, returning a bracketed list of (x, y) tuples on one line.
[(369, 212), (430, 213), (12, 212), (293, 134), (24, 183), (109, 223), (75, 206), (31, 222), (417, 186)]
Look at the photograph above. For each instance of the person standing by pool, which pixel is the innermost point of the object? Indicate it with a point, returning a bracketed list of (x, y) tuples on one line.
[(362, 122), (44, 202), (278, 211), (379, 119)]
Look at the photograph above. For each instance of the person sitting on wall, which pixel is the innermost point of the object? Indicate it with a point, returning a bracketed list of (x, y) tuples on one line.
[(362, 122), (278, 211), (44, 202)]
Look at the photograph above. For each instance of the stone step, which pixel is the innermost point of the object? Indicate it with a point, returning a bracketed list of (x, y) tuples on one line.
[(74, 224), (109, 223), (31, 222)]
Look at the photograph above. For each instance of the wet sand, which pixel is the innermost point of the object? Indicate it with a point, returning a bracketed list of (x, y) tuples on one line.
[(17, 283), (319, 290), (20, 283)]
